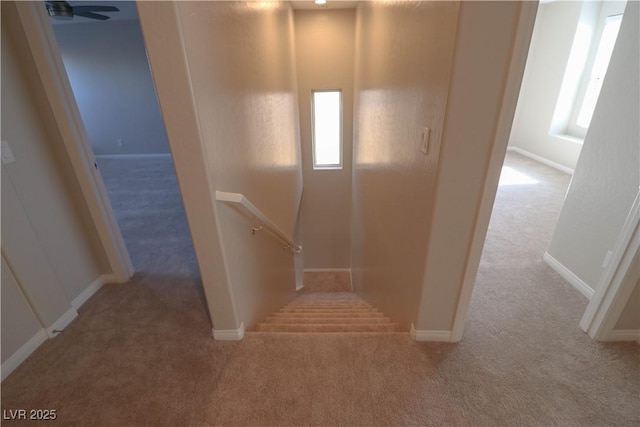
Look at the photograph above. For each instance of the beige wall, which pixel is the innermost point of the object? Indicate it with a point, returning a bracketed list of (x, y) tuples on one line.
[(404, 56), (19, 322), (225, 76), (47, 192), (325, 43), (50, 248), (486, 31), (607, 176), (630, 316), (28, 259)]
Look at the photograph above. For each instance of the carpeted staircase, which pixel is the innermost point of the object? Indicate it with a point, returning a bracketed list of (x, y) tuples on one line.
[(327, 312)]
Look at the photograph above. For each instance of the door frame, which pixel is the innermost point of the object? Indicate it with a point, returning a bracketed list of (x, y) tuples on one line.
[(520, 50), (44, 49), (612, 292)]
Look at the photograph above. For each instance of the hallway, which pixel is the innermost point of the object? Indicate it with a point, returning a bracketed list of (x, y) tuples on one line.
[(141, 353)]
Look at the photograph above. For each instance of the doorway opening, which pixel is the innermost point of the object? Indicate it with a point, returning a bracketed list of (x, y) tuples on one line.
[(107, 67), (562, 79)]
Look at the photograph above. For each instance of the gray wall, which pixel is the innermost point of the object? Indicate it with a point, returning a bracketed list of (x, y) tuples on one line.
[(607, 176), (109, 73), (325, 44)]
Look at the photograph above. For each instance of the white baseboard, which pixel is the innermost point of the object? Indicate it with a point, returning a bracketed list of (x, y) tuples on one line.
[(541, 159), (432, 336), (134, 156), (229, 334), (23, 352), (30, 346), (624, 335), (62, 322), (568, 275), (92, 289)]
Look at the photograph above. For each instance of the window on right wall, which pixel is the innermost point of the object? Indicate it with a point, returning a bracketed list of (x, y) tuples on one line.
[(592, 78), (593, 43)]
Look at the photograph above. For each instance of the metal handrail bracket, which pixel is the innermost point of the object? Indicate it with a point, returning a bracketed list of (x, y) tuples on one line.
[(240, 201)]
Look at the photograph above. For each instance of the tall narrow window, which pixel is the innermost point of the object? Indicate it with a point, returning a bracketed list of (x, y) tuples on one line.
[(326, 118), (600, 65)]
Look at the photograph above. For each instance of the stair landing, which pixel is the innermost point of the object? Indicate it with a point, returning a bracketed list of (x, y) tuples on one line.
[(327, 312)]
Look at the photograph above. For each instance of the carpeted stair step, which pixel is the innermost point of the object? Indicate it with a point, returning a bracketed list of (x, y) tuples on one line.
[(326, 320), (330, 295), (353, 327), (327, 305), (329, 300), (329, 315), (332, 304), (327, 310), (345, 308)]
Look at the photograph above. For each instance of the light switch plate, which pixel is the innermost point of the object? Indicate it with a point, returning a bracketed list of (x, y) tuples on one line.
[(426, 136), (7, 154)]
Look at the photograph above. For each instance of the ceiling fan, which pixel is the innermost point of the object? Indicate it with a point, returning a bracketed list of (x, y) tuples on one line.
[(63, 10)]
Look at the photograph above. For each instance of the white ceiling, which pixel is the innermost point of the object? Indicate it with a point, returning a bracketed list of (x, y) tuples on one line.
[(331, 4)]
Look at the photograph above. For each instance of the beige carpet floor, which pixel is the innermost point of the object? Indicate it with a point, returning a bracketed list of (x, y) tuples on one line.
[(141, 353), (147, 204)]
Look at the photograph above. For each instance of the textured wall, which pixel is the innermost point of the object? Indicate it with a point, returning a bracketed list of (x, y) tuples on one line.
[(486, 31), (325, 43), (243, 72), (107, 66), (226, 81), (607, 176), (404, 56)]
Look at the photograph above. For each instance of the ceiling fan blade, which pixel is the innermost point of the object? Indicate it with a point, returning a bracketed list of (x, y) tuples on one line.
[(59, 9), (85, 9), (92, 15), (57, 3)]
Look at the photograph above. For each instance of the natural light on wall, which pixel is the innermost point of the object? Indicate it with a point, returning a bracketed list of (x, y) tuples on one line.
[(327, 129), (600, 65), (591, 50)]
